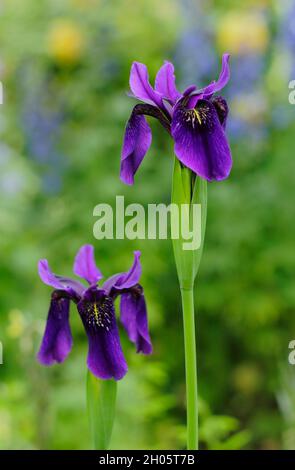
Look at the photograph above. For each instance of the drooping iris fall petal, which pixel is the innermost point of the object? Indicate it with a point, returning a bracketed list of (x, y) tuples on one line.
[(200, 141), (133, 315), (57, 340), (137, 141), (105, 356)]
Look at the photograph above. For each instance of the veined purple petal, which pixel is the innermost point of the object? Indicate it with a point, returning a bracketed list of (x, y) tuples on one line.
[(165, 83), (134, 319), (200, 141), (57, 340), (58, 282), (140, 85), (137, 141), (105, 356), (85, 266), (125, 280), (222, 79)]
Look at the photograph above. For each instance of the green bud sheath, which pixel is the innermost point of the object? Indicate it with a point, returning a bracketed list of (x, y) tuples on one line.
[(187, 189), (101, 403)]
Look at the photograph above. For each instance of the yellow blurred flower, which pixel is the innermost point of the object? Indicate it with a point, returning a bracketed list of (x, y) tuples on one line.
[(242, 32), (247, 378), (16, 324), (66, 42)]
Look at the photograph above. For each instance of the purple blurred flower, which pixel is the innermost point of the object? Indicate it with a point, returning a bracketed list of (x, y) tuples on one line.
[(96, 308), (287, 34), (246, 73), (195, 119), (288, 27), (42, 118)]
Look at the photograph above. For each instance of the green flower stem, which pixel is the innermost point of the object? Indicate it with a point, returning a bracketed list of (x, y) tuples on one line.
[(188, 190), (187, 296)]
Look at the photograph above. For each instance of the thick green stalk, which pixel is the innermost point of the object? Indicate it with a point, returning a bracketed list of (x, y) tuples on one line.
[(101, 402), (187, 191), (187, 296)]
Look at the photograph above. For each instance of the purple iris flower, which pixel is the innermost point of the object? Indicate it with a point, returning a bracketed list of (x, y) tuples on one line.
[(96, 308), (195, 119)]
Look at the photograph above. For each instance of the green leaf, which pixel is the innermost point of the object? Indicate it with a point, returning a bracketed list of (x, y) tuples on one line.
[(187, 189), (101, 403)]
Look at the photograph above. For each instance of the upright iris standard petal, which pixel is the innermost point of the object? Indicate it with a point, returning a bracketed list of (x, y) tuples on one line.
[(141, 87), (58, 282), (126, 280), (200, 141), (105, 356), (85, 266), (133, 315), (223, 78), (137, 141), (165, 83), (57, 340), (213, 87)]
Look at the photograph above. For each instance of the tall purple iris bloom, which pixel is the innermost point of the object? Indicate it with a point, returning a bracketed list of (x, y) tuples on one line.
[(195, 119), (96, 308)]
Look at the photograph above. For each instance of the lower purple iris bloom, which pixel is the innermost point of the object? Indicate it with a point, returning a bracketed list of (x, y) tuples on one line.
[(96, 308), (195, 119)]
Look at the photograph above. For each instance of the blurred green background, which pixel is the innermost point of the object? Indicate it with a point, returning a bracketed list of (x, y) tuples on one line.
[(64, 65)]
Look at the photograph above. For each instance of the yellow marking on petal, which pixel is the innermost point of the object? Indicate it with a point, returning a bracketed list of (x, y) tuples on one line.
[(198, 116), (96, 313)]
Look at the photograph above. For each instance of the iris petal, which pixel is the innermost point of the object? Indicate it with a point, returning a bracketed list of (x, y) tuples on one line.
[(105, 356), (223, 78), (137, 141), (57, 340), (165, 83), (85, 266), (200, 141), (213, 87), (122, 281), (58, 282), (140, 85), (134, 319)]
